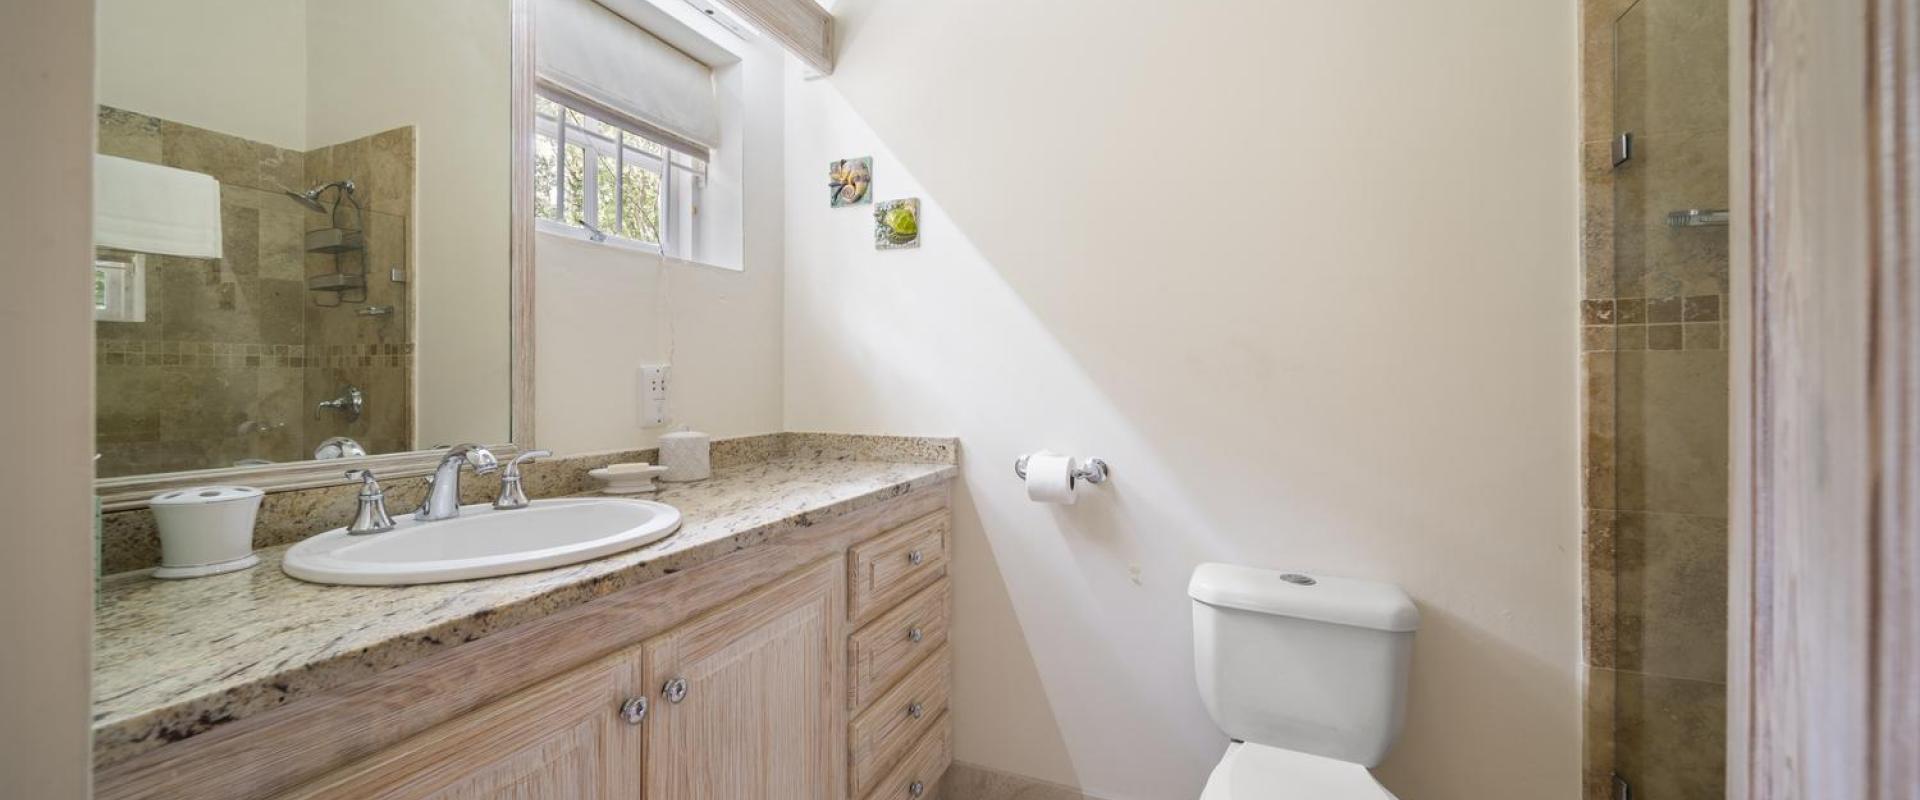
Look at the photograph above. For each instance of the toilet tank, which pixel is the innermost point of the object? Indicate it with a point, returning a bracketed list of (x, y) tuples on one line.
[(1311, 663)]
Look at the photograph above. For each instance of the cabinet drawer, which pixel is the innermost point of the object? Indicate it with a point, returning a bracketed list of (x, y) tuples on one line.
[(887, 568), (880, 653), (916, 776), (882, 734)]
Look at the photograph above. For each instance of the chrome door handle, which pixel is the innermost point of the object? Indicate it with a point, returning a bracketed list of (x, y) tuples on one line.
[(634, 710), (916, 711), (916, 789), (915, 557), (675, 690), (914, 634)]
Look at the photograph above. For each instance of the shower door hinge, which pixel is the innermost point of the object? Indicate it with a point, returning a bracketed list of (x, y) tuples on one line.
[(1622, 148)]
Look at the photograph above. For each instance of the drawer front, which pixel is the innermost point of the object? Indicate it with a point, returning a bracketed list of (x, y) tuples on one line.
[(883, 651), (888, 568), (917, 775), (883, 733)]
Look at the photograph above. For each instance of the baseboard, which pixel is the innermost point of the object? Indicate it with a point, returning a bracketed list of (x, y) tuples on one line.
[(973, 782)]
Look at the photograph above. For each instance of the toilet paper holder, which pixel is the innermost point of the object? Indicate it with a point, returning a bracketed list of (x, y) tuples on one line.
[(1091, 470)]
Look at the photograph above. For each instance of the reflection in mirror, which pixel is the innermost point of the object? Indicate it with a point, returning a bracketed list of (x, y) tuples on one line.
[(301, 228)]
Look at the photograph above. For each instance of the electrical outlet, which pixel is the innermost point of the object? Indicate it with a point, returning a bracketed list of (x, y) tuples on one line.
[(653, 395)]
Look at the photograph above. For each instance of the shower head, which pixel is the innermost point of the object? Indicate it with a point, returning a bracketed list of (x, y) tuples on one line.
[(311, 197)]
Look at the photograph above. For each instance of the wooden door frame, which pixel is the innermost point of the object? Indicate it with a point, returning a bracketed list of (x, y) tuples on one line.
[(1824, 638)]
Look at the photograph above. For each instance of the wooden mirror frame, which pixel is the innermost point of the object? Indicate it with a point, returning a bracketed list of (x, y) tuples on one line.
[(133, 491)]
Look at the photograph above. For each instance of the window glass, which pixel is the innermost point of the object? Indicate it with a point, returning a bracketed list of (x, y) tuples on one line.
[(546, 173), (634, 190), (574, 199)]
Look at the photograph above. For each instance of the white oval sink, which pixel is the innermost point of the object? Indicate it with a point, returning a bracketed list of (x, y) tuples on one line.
[(482, 542)]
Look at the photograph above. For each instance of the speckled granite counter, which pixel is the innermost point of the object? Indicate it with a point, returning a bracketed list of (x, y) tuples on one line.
[(175, 658)]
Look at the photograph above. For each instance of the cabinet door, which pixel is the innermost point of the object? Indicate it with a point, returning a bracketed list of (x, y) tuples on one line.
[(561, 740), (747, 699)]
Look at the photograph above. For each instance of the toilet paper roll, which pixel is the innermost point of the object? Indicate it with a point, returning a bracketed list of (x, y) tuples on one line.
[(1050, 478)]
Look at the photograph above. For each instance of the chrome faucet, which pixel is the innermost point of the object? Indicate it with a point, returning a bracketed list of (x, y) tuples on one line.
[(443, 489)]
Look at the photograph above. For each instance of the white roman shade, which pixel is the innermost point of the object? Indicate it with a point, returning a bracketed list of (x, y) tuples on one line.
[(595, 55)]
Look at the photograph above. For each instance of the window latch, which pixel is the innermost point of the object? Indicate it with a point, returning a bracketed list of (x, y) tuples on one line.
[(593, 234)]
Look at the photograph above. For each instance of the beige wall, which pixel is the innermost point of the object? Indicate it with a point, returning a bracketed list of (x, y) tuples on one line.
[(1305, 274), (604, 311), (443, 67), (46, 418), (234, 66)]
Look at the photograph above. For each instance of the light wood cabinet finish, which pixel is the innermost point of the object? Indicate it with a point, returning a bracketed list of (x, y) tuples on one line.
[(756, 715), (922, 768), (882, 734), (489, 719), (890, 567), (887, 647), (562, 740)]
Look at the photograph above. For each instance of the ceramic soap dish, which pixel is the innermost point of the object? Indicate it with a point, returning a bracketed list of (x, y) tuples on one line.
[(627, 478)]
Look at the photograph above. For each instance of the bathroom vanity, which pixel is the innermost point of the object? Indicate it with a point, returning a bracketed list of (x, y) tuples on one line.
[(789, 641)]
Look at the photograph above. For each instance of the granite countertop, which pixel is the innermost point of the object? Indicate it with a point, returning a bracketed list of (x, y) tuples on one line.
[(175, 658)]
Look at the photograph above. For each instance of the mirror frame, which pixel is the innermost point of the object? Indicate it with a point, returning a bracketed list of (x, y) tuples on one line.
[(134, 491)]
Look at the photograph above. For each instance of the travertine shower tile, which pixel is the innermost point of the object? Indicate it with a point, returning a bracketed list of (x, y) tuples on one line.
[(129, 135), (1672, 434), (1703, 336), (239, 239), (1664, 337), (1670, 735), (1598, 587), (1671, 594), (1597, 422), (1598, 726)]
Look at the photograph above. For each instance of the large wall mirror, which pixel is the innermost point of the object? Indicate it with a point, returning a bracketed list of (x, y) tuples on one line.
[(308, 255)]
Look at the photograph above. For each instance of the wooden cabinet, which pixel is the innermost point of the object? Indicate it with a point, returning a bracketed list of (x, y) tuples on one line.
[(744, 703), (756, 686), (562, 740), (749, 700)]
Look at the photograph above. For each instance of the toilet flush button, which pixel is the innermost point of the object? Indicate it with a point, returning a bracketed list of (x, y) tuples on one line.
[(1298, 579)]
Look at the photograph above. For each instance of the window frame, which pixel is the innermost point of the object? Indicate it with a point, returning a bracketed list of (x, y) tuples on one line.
[(679, 207)]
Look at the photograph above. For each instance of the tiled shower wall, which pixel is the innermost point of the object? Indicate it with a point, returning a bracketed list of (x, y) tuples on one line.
[(214, 373), (347, 347), (1656, 396), (234, 355)]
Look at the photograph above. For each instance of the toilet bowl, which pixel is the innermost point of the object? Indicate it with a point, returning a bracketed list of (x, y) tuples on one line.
[(1259, 772), (1306, 673)]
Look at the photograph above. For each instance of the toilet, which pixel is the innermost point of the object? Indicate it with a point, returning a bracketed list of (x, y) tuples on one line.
[(1306, 673)]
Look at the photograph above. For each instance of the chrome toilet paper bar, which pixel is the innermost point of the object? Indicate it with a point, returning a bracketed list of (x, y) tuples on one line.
[(1091, 470)]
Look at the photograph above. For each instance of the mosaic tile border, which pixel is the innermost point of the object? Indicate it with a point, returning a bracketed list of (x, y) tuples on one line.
[(137, 353), (1695, 322)]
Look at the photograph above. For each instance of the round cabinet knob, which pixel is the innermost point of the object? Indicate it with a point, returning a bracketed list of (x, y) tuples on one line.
[(675, 690), (915, 558), (916, 789), (914, 634), (916, 711), (634, 710)]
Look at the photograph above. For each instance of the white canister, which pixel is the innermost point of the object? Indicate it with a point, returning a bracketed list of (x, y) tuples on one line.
[(206, 530), (687, 455)]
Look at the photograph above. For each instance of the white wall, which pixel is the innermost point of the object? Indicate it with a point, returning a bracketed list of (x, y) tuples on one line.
[(603, 311), (234, 66), (46, 416), (1304, 273), (442, 66)]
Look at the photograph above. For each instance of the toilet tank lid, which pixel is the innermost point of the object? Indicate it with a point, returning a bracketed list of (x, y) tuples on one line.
[(1303, 595)]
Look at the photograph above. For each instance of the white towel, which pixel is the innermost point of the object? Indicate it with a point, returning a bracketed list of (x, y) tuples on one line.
[(148, 208)]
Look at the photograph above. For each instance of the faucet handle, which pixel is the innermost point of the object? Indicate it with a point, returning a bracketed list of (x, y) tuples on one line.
[(372, 514), (513, 467), (512, 495)]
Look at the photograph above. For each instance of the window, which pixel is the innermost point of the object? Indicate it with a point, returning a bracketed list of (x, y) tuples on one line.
[(608, 183), (120, 288)]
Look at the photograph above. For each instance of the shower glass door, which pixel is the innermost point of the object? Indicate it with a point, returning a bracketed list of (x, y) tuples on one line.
[(1670, 396)]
